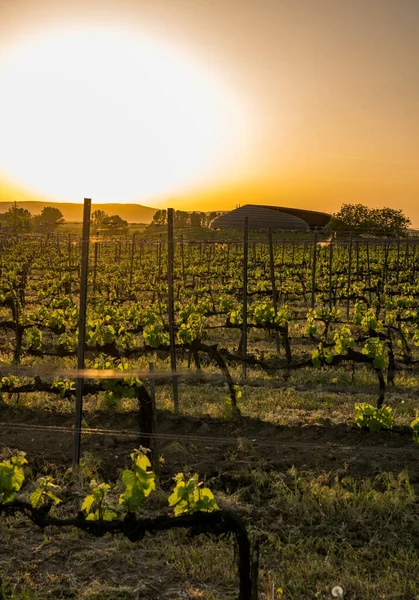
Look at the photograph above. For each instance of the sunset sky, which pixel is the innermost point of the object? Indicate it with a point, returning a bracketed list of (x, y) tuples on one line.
[(206, 104)]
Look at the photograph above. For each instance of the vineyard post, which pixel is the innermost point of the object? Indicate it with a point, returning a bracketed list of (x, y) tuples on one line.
[(95, 268), (398, 261), (170, 257), (153, 441), (159, 256), (209, 258), (356, 260), (386, 250), (182, 257), (69, 262), (406, 254), (348, 289), (313, 272), (245, 261), (132, 260), (82, 330), (273, 283), (330, 275), (368, 271)]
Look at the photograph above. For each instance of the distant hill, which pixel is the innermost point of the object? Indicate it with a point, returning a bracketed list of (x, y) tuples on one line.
[(133, 213)]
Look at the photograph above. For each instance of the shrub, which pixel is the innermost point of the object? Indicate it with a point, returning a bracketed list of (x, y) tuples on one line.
[(415, 426), (374, 418)]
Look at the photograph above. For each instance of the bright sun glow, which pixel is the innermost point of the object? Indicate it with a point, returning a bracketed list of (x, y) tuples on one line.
[(110, 115)]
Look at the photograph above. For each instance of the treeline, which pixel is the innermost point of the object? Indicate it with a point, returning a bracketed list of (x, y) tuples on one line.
[(20, 219), (183, 218), (359, 218)]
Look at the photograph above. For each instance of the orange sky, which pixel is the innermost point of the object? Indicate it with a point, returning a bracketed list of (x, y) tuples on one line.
[(326, 95)]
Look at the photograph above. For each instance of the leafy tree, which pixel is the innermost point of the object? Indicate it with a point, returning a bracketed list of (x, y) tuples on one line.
[(354, 216), (196, 219), (390, 221), (50, 215), (361, 219), (181, 218), (160, 217), (18, 219), (115, 225), (48, 218), (97, 218)]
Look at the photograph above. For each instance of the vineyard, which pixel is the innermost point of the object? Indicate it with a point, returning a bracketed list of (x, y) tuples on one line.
[(283, 371)]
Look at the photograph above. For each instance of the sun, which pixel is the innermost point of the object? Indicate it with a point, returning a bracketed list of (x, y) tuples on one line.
[(111, 115)]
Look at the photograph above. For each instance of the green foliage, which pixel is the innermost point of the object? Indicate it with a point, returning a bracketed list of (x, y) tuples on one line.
[(34, 338), (192, 330), (45, 493), (139, 482), (10, 381), (189, 497), (415, 426), (49, 215), (155, 336), (375, 348), (117, 388), (322, 354), (12, 477), (97, 506), (380, 221), (343, 340), (375, 419), (65, 387)]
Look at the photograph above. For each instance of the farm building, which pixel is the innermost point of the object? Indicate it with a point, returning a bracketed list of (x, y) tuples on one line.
[(276, 218)]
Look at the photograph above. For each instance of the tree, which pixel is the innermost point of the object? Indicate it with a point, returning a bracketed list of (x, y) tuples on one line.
[(352, 216), (115, 225), (196, 219), (378, 221), (159, 217), (97, 218), (48, 218), (390, 221), (18, 219), (181, 218)]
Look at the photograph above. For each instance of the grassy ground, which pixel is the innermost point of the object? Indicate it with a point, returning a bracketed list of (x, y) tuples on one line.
[(319, 528), (333, 505)]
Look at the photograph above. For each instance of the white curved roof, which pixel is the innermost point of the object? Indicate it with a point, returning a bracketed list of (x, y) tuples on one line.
[(259, 217)]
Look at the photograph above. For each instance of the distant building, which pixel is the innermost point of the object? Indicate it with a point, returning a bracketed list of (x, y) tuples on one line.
[(276, 218)]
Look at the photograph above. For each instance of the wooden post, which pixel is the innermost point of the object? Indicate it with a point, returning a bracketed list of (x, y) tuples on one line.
[(182, 257), (330, 275), (349, 276), (131, 269), (245, 264), (356, 260), (170, 260), (398, 261), (313, 272), (82, 331), (369, 271), (154, 443), (95, 267), (273, 283)]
